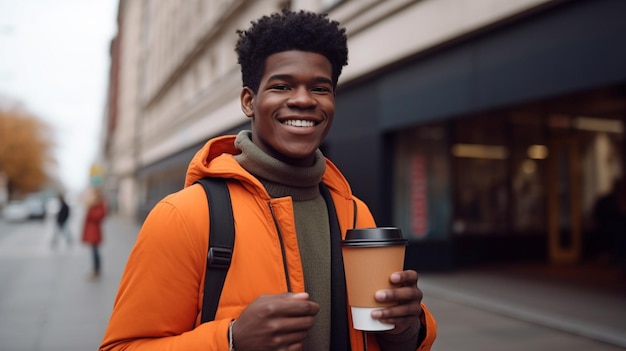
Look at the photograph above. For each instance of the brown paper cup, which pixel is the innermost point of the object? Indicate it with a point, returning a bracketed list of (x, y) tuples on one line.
[(370, 255)]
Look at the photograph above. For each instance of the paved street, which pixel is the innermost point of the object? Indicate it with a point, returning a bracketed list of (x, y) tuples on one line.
[(492, 311), (48, 302)]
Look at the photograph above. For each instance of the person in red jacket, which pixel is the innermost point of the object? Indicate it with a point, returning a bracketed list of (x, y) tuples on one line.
[(285, 287), (92, 228)]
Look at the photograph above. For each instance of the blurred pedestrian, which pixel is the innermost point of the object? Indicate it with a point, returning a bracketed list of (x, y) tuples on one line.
[(92, 230), (609, 214), (61, 228)]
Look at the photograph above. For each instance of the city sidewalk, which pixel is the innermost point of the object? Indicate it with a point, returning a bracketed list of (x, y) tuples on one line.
[(48, 302), (543, 309)]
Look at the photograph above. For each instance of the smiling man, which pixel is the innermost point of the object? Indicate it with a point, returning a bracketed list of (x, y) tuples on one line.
[(292, 108), (285, 288)]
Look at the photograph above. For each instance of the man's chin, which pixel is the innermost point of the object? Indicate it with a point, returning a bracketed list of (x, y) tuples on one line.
[(300, 157)]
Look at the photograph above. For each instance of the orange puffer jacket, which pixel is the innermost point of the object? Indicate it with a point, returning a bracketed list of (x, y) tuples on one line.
[(159, 300)]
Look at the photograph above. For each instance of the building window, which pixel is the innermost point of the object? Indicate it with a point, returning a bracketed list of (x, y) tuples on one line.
[(422, 183), (528, 173), (480, 154)]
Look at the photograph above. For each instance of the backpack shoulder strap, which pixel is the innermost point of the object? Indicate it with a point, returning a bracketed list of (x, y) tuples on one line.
[(339, 319), (221, 243)]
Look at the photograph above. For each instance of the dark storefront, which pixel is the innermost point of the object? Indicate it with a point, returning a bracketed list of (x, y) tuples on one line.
[(168, 175), (490, 149), (494, 148)]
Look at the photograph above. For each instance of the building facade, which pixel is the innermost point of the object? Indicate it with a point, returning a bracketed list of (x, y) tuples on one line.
[(485, 129)]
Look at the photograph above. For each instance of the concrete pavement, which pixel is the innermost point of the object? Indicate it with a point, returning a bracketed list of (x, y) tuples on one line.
[(47, 299), (48, 302), (503, 310)]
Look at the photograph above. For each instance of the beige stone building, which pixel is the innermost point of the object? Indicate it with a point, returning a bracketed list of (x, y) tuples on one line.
[(178, 81), (436, 111)]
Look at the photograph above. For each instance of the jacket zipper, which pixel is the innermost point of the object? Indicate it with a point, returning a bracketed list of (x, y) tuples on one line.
[(282, 247), (286, 268)]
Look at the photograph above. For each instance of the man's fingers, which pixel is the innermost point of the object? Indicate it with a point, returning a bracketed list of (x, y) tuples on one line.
[(399, 295), (406, 278), (289, 305)]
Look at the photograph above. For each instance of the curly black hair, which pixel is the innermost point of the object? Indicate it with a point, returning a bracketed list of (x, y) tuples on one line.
[(285, 31)]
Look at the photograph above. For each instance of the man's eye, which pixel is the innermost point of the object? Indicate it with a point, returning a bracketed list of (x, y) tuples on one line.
[(321, 90), (280, 87)]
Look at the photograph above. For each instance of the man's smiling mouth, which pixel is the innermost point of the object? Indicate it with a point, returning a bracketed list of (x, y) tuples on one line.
[(299, 123)]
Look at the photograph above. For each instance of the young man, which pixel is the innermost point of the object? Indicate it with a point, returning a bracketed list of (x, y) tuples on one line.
[(277, 294)]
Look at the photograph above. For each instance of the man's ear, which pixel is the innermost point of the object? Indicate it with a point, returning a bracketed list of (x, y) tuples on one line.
[(247, 101)]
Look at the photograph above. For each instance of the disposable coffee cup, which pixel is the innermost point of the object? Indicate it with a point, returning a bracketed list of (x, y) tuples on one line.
[(370, 255)]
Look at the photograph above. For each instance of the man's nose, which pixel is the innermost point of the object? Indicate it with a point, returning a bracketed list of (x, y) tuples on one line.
[(302, 98)]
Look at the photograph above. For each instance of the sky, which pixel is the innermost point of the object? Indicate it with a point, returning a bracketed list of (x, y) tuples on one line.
[(54, 62)]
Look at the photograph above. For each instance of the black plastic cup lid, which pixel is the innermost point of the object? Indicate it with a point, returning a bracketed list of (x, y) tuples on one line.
[(383, 236)]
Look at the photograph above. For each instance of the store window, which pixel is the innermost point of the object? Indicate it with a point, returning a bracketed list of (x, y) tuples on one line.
[(480, 153), (422, 203), (528, 166)]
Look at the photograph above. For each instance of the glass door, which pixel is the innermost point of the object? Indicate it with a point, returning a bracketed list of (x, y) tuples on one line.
[(564, 202)]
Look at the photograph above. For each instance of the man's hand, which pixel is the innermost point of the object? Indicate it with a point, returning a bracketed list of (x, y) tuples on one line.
[(407, 296), (275, 322)]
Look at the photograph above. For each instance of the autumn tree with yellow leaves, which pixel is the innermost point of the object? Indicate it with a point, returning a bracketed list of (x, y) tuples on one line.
[(25, 151)]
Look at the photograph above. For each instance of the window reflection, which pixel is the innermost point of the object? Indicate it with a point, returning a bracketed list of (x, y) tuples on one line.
[(482, 196)]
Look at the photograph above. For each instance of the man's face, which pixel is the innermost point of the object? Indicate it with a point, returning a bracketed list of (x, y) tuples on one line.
[(294, 106)]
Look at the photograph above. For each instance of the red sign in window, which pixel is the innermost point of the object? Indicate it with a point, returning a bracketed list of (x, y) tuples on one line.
[(419, 196)]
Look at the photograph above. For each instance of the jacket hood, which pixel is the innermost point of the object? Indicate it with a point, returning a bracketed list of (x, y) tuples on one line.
[(215, 159)]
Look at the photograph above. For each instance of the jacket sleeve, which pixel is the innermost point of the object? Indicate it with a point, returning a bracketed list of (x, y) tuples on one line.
[(431, 330), (158, 302)]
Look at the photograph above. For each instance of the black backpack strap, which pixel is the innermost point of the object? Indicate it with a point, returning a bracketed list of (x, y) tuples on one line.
[(221, 243), (339, 339), (355, 214)]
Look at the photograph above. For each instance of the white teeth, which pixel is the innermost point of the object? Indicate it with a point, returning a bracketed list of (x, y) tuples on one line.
[(299, 123)]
